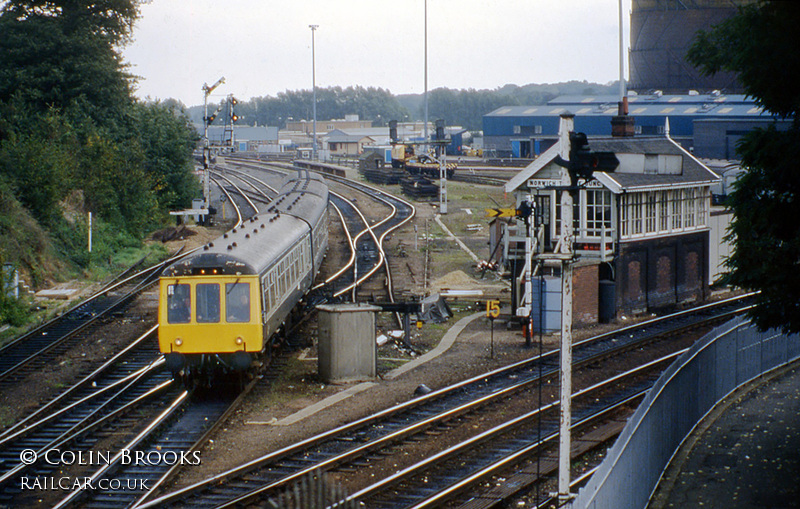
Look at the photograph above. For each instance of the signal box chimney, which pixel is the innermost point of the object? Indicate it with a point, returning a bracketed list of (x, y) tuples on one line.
[(621, 124)]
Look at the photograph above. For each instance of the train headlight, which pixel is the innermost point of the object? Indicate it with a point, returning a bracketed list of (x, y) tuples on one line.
[(178, 341), (239, 340)]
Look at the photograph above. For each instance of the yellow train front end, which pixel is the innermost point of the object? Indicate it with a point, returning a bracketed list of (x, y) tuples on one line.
[(209, 323)]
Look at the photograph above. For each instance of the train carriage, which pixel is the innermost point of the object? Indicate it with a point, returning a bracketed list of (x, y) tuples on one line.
[(220, 307)]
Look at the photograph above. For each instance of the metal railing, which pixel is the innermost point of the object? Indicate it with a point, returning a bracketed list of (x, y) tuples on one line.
[(725, 359)]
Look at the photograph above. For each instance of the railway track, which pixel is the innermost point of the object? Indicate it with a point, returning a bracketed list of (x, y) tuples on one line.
[(102, 400), (82, 417), (484, 180), (30, 352), (168, 441), (359, 279), (443, 477), (400, 212), (365, 236), (374, 436), (363, 245), (170, 424), (180, 421)]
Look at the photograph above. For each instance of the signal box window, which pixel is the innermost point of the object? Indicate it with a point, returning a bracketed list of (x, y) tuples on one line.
[(207, 303), (237, 302), (179, 303)]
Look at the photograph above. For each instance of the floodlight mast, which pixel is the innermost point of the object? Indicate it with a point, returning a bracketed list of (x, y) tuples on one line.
[(314, 92), (206, 147)]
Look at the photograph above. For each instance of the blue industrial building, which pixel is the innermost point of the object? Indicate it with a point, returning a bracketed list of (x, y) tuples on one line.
[(527, 131)]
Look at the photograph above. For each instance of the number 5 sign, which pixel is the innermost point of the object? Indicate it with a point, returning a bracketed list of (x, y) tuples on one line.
[(492, 312)]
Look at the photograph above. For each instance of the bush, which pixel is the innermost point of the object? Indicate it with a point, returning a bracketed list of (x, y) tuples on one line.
[(13, 311)]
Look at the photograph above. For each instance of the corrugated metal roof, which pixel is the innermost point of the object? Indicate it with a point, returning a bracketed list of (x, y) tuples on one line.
[(671, 105), (654, 99), (337, 136)]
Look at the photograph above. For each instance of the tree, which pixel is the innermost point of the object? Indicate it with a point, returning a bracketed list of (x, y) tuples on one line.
[(70, 127), (759, 44), (465, 108), (38, 164), (63, 54), (111, 20), (166, 140)]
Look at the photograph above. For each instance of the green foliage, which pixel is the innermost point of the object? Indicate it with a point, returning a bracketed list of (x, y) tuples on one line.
[(765, 229), (167, 139), (372, 103), (115, 183), (465, 107), (23, 243), (458, 107), (73, 140), (39, 164), (760, 45), (61, 55), (108, 241), (13, 311), (107, 20)]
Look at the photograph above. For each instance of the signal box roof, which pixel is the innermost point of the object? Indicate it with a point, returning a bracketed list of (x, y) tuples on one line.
[(672, 166)]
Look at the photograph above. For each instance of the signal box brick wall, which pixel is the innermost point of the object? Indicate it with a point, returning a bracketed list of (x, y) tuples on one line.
[(585, 293), (661, 273)]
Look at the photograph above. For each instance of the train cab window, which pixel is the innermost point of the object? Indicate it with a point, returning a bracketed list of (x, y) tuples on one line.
[(179, 303), (237, 302), (207, 295)]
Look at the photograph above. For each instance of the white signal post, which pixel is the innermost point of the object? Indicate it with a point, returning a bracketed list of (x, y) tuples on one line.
[(206, 147), (566, 256), (443, 182), (527, 271)]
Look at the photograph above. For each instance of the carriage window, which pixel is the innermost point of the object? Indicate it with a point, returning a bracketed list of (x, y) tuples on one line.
[(207, 302), (179, 303), (237, 302)]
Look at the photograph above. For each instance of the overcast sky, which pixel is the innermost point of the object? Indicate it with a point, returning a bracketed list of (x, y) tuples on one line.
[(263, 47)]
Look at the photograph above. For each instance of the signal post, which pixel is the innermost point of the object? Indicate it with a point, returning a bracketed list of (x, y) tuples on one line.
[(578, 164), (207, 120)]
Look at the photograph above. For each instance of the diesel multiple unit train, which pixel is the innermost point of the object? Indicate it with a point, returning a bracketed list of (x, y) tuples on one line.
[(220, 307)]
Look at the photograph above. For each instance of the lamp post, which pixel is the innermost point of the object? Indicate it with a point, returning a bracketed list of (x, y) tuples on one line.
[(622, 87), (314, 85), (425, 127)]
